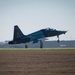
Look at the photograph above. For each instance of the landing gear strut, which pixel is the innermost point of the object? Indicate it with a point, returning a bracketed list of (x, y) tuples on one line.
[(41, 44), (58, 39), (26, 46)]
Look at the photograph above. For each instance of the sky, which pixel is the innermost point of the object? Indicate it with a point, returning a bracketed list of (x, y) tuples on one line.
[(33, 15)]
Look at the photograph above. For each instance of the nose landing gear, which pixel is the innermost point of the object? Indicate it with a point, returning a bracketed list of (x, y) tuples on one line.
[(58, 39)]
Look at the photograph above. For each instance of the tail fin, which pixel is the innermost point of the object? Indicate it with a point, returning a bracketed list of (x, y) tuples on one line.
[(17, 32)]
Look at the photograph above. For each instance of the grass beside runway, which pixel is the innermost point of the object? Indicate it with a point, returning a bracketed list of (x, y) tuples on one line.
[(34, 49)]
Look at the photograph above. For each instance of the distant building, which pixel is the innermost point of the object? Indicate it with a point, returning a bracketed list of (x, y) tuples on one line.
[(46, 44)]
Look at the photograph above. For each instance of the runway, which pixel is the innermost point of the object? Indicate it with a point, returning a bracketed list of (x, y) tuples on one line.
[(37, 62)]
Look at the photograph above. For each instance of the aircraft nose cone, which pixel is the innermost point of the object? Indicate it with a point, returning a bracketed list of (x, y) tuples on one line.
[(63, 32)]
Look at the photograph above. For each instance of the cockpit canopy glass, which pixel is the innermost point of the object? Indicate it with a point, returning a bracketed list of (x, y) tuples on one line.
[(50, 29)]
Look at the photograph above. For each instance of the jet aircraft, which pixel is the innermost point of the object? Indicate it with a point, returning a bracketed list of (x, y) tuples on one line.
[(19, 37)]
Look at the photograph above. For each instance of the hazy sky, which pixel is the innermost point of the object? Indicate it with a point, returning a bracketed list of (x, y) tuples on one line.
[(33, 15)]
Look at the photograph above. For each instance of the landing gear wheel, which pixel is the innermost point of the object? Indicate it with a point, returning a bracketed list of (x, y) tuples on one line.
[(58, 39), (41, 44), (26, 46)]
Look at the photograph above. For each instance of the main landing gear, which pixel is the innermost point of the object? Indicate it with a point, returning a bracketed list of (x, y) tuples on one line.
[(26, 46), (41, 44)]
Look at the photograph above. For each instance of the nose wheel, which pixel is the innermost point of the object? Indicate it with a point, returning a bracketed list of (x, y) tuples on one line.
[(58, 39)]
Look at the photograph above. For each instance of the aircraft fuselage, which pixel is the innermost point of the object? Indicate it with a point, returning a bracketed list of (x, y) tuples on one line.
[(43, 33)]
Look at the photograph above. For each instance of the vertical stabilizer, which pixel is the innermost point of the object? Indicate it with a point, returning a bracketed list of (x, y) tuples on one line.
[(17, 32)]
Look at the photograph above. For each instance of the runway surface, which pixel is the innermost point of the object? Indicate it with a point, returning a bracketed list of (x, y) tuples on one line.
[(37, 62)]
